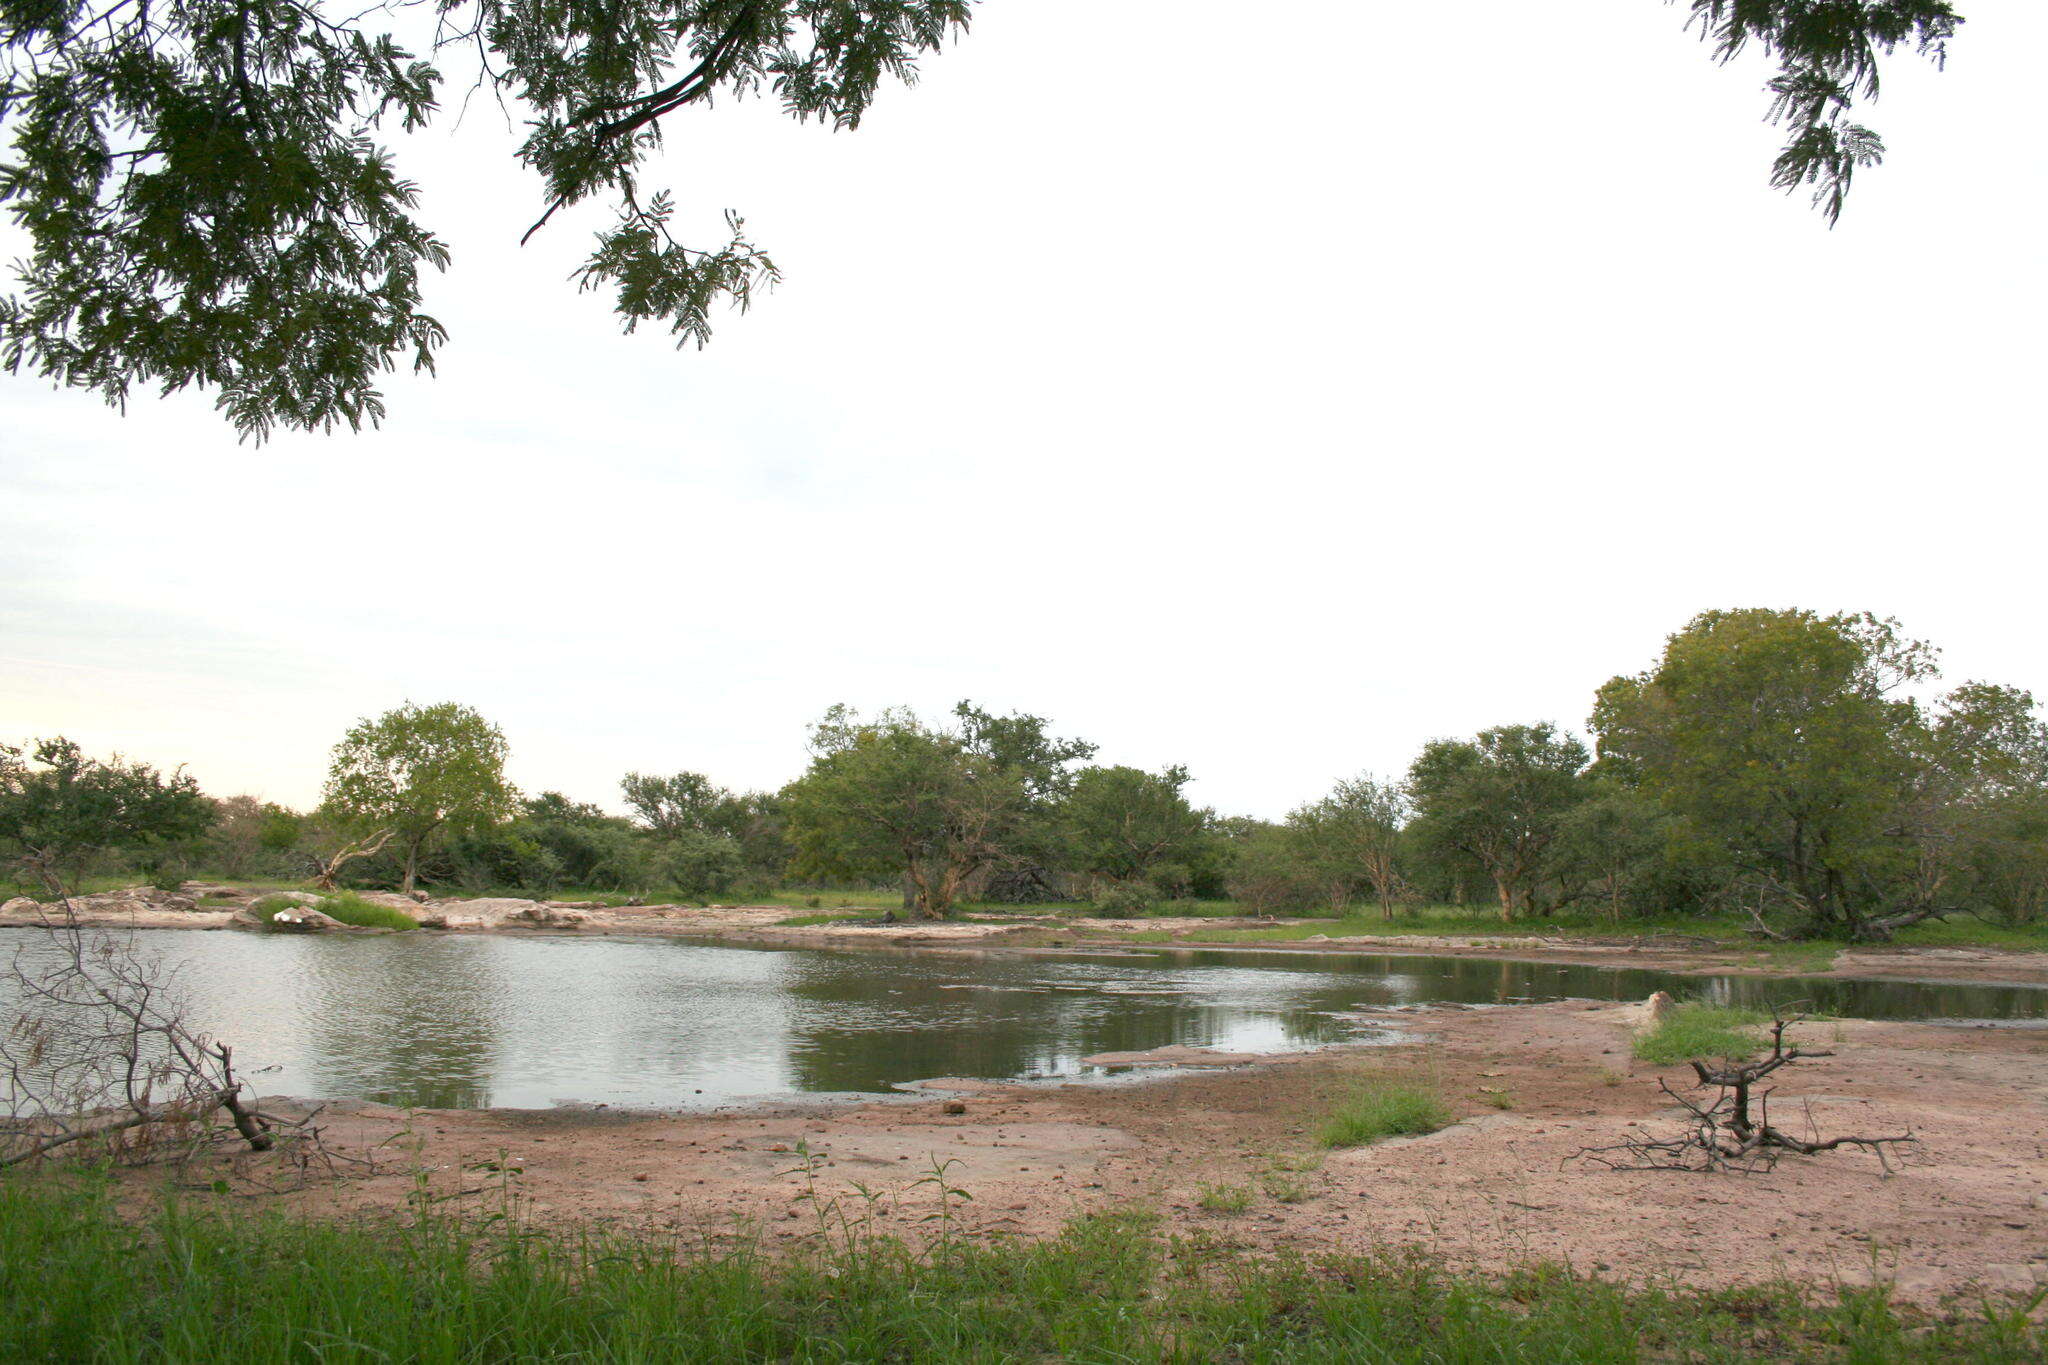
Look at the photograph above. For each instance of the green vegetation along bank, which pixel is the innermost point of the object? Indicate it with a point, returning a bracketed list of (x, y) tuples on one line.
[(1775, 773), (79, 1282)]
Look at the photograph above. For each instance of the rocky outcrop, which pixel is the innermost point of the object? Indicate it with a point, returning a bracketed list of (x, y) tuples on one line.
[(128, 900), (499, 912), (391, 900), (304, 919)]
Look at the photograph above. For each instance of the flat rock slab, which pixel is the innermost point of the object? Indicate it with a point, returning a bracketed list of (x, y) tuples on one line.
[(958, 1085), (1174, 1056)]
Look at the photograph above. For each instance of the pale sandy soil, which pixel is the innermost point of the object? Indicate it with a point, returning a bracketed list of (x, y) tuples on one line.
[(1969, 1212)]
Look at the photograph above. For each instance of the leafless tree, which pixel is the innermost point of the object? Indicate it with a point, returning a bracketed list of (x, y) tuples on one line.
[(1733, 1131), (99, 1048)]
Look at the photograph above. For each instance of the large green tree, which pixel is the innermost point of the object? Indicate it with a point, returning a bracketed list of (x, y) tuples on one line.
[(895, 795), (208, 203), (1352, 837), (1792, 746), (677, 802), (60, 809), (1500, 799), (419, 771), (1127, 825)]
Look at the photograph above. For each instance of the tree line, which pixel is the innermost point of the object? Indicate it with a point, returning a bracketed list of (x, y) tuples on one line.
[(1792, 769)]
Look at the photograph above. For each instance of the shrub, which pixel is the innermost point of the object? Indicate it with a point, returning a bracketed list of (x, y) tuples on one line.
[(1382, 1109), (1700, 1031), (1126, 900)]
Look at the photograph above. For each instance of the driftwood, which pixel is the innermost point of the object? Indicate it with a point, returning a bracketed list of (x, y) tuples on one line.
[(177, 1112), (1733, 1131)]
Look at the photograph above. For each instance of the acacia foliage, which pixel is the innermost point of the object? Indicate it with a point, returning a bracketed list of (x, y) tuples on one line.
[(1500, 799), (60, 809), (1793, 748), (417, 770), (210, 202), (935, 804), (1126, 826), (1828, 54)]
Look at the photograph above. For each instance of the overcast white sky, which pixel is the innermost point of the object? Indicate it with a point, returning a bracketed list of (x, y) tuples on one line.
[(1265, 400)]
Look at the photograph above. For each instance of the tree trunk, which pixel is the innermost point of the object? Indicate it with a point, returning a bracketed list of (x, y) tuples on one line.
[(930, 901), (1505, 885)]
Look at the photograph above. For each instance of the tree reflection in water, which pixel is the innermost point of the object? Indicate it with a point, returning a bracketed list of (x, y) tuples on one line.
[(464, 1021)]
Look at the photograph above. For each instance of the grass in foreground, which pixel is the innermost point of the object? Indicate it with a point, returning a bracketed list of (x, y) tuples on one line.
[(77, 1283), (1700, 1032), (1378, 1109)]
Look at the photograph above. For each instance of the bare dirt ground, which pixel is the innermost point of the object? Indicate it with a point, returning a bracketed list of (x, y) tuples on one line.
[(1969, 1212)]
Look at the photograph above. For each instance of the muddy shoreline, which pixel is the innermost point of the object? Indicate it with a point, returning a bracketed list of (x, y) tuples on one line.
[(1530, 1086), (1224, 1148)]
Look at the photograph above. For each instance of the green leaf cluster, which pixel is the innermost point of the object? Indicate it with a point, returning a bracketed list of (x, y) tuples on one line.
[(60, 809), (1795, 749), (1827, 53), (419, 769), (207, 201)]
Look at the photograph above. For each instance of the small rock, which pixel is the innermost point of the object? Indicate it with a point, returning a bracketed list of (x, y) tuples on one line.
[(955, 1106), (304, 919)]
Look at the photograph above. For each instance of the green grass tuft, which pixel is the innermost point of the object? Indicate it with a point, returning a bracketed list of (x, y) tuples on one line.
[(1225, 1198), (1285, 1189), (350, 908), (346, 907), (1702, 1032), (1383, 1109)]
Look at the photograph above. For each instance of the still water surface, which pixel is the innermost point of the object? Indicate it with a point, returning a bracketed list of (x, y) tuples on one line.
[(459, 1021)]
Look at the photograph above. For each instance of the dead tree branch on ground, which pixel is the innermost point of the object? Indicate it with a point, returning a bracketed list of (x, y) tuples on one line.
[(1733, 1131), (99, 1049)]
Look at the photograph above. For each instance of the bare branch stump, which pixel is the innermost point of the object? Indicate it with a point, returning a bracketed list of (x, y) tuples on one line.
[(1732, 1131)]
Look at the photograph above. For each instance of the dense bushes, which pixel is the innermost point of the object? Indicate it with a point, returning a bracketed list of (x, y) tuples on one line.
[(1774, 765)]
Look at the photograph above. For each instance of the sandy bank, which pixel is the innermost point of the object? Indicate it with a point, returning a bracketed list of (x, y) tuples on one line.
[(1496, 1188)]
